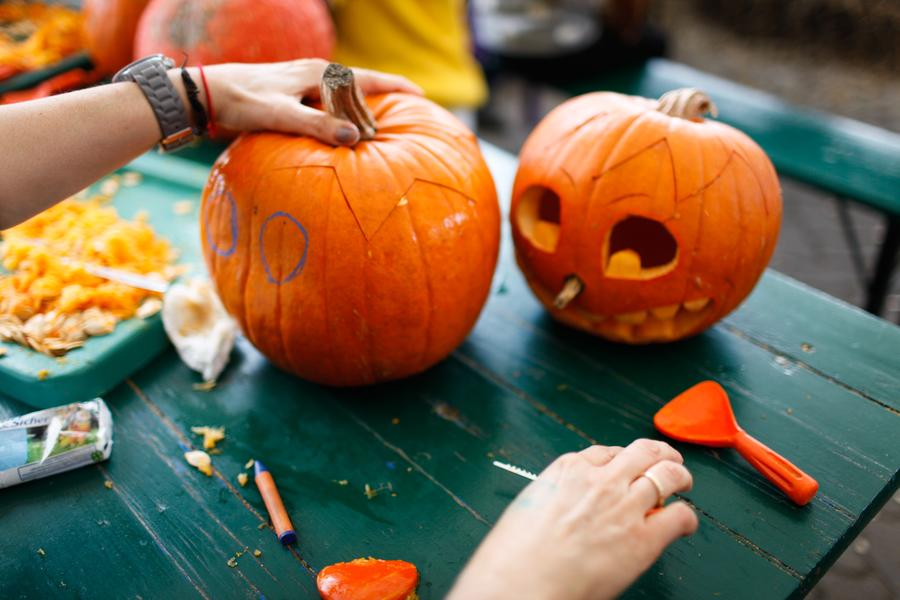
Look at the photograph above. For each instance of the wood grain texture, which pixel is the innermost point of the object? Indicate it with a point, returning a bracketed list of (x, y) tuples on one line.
[(521, 389)]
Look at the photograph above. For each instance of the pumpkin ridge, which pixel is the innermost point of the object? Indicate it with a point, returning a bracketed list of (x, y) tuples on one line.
[(574, 131), (399, 197), (706, 185), (346, 198), (700, 214), (632, 156), (689, 260), (452, 174), (619, 142), (245, 265), (742, 232), (762, 258), (280, 290), (429, 288), (327, 350), (740, 154)]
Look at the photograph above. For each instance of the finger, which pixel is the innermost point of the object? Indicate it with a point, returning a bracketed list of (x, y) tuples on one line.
[(292, 117), (639, 456), (671, 476), (600, 455), (670, 523), (375, 82)]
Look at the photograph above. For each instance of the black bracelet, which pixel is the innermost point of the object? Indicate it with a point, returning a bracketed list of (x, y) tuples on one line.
[(193, 94)]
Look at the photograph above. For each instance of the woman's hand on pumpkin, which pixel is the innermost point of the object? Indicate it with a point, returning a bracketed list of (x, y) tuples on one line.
[(248, 97), (582, 529)]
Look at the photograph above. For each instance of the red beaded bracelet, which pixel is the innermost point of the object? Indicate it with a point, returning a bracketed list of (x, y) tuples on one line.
[(209, 103)]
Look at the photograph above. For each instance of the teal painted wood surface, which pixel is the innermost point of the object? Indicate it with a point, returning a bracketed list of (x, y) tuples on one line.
[(846, 157), (522, 389), (105, 361)]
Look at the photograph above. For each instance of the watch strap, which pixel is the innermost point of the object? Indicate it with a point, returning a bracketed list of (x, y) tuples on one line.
[(151, 76)]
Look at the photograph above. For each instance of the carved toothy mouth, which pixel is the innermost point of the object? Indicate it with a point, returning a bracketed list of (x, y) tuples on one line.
[(662, 313), (660, 324)]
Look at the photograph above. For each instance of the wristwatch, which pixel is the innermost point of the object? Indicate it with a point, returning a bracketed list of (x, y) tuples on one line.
[(150, 75)]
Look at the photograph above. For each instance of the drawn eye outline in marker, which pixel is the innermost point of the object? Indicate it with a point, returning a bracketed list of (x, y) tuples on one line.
[(262, 249), (232, 206)]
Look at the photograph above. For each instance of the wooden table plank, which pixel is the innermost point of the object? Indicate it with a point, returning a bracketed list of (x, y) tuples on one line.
[(311, 444), (437, 461), (828, 336), (609, 393), (89, 537)]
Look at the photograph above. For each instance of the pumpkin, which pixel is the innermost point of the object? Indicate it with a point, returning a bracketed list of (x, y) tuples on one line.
[(368, 579), (109, 27), (353, 265), (639, 220), (250, 31)]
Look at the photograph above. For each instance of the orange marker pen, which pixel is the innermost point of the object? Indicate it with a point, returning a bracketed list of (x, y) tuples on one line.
[(284, 529)]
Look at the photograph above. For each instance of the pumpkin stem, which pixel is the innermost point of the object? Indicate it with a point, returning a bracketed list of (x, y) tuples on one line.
[(687, 103), (343, 99), (571, 288)]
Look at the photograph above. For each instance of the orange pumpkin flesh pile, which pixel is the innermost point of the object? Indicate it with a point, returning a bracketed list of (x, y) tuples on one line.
[(352, 265), (36, 35), (369, 579), (641, 221), (217, 31), (48, 301)]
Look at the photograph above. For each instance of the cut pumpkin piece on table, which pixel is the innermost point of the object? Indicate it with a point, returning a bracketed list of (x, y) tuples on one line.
[(369, 579)]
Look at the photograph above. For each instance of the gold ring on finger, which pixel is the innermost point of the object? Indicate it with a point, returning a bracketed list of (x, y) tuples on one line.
[(661, 495)]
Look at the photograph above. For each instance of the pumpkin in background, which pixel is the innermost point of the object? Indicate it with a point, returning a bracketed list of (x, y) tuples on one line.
[(109, 27), (353, 265), (253, 31), (639, 220)]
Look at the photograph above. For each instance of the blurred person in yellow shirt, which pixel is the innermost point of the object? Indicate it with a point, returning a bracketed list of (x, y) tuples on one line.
[(427, 41)]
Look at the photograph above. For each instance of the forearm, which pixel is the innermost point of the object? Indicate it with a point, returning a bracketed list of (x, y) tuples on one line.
[(54, 147)]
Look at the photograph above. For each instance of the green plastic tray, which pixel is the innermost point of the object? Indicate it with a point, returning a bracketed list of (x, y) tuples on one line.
[(105, 361)]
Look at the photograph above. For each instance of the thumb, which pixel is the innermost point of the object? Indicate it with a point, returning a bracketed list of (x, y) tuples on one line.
[(297, 118)]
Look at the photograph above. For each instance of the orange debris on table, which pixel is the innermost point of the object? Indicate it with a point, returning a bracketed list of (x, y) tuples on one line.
[(49, 301), (34, 35), (369, 579)]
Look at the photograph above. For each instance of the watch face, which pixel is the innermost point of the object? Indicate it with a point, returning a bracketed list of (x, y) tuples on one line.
[(166, 62)]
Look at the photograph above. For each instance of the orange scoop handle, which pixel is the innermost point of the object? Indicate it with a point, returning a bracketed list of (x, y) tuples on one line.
[(797, 485)]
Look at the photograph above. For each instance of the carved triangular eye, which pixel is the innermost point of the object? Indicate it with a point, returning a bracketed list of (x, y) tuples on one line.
[(639, 248), (538, 217)]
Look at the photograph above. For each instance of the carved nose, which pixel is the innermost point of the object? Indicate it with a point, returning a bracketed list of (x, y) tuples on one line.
[(640, 248)]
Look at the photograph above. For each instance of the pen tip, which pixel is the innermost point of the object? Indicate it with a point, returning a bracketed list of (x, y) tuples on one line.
[(258, 468)]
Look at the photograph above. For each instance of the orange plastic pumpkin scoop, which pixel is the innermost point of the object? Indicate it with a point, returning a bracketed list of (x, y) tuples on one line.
[(702, 415)]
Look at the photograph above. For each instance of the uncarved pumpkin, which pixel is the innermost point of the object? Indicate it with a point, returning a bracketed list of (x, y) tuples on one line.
[(109, 27), (253, 31), (352, 265), (639, 220)]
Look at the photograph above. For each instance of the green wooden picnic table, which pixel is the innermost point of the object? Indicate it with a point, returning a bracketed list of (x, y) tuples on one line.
[(815, 378)]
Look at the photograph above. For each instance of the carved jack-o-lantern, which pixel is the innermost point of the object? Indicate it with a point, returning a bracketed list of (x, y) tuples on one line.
[(640, 221), (352, 265)]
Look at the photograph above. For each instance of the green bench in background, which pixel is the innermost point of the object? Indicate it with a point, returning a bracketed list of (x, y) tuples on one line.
[(849, 159)]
